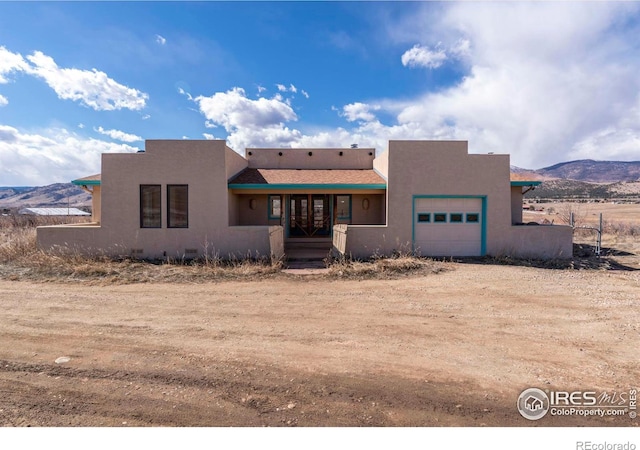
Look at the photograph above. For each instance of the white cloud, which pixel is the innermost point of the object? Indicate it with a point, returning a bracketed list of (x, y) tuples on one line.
[(208, 136), (544, 82), (3, 101), (532, 87), (248, 122), (261, 89), (146, 117), (185, 93), (160, 40), (359, 111), (291, 88), (305, 93), (52, 156), (119, 135), (419, 56), (92, 88), (10, 62), (81, 125)]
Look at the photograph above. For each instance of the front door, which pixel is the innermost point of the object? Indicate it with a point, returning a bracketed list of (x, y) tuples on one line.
[(309, 215)]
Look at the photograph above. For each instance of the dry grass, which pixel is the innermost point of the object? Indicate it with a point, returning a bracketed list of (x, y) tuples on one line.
[(393, 267), (20, 259)]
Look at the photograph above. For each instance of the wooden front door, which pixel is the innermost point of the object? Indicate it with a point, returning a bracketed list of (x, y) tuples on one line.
[(309, 215)]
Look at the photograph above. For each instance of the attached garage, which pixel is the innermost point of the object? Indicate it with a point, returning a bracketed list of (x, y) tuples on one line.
[(449, 225)]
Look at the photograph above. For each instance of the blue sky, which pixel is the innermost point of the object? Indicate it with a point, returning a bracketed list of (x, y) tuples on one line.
[(545, 82)]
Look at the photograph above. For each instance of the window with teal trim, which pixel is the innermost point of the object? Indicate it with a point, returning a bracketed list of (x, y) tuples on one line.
[(473, 217), (343, 207), (440, 217), (275, 206), (424, 217), (455, 217)]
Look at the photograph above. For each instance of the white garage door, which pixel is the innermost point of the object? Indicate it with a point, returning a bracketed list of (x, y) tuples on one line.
[(448, 226)]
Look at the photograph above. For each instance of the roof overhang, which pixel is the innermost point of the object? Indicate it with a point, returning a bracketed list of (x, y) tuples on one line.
[(525, 183), (93, 180)]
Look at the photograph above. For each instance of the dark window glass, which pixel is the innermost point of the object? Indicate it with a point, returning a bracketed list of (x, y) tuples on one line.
[(178, 206), (150, 210), (440, 217), (455, 217), (275, 210), (424, 217), (473, 217), (343, 206)]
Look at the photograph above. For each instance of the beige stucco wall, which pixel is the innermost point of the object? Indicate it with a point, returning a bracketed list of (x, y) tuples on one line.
[(538, 241), (375, 215), (445, 168), (412, 167), (381, 165), (320, 158), (199, 164), (96, 204), (257, 216), (516, 204)]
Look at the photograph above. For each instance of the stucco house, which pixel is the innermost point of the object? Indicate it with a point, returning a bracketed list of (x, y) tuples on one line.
[(184, 198)]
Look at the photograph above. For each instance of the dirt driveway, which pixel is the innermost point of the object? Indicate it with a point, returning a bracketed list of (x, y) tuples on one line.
[(454, 348)]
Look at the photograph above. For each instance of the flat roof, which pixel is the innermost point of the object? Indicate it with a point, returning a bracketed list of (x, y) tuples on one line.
[(53, 212), (308, 178)]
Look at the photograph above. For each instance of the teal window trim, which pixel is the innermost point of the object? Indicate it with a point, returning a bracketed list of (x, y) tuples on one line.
[(270, 207), (472, 214), (483, 218), (456, 214), (350, 207), (435, 216), (423, 217)]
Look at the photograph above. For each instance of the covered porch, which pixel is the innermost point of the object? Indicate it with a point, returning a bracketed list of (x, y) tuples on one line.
[(307, 203)]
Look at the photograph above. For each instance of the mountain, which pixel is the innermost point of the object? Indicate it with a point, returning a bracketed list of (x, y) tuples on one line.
[(593, 171), (573, 179), (54, 195)]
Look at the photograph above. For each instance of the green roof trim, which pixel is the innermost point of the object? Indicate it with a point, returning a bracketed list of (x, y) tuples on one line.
[(86, 182), (526, 183), (277, 186)]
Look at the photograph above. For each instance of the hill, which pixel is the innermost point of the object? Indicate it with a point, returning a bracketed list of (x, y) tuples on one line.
[(53, 195), (593, 171)]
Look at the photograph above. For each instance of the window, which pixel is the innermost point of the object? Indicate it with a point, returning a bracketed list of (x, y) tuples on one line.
[(440, 217), (473, 217), (275, 207), (343, 207), (150, 210), (177, 206), (424, 217), (455, 217)]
